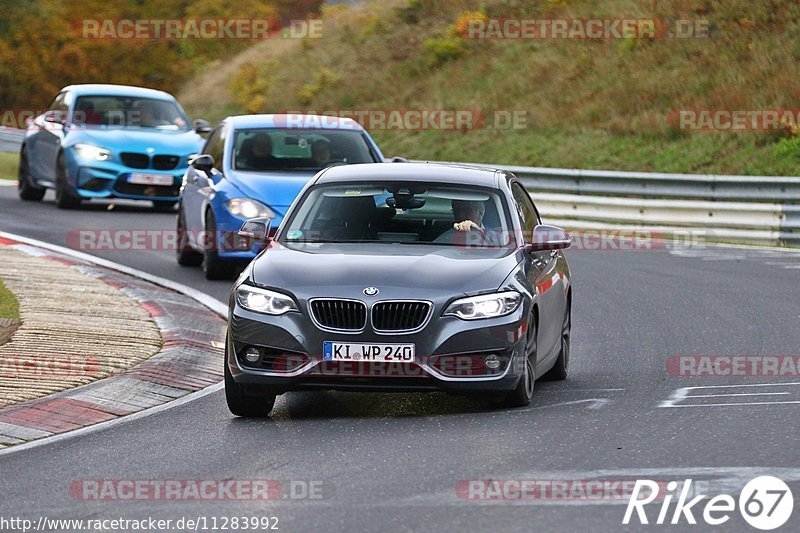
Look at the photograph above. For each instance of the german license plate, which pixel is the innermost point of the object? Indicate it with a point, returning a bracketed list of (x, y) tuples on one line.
[(358, 351), (149, 179)]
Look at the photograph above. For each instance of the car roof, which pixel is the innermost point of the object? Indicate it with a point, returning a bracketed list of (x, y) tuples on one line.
[(293, 120), (117, 90), (431, 172)]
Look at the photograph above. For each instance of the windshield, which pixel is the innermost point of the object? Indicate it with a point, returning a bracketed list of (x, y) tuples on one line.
[(269, 149), (129, 112), (400, 212)]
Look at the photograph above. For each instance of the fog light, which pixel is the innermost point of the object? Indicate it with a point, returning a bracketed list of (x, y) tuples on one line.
[(252, 355), (492, 362)]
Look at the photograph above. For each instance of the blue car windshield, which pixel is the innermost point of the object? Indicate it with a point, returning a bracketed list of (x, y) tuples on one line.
[(277, 149), (401, 213), (129, 112)]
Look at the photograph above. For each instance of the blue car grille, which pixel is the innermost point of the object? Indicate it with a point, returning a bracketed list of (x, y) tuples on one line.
[(159, 162), (134, 160)]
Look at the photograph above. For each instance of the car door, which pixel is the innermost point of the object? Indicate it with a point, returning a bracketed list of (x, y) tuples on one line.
[(198, 182), (45, 143), (543, 275)]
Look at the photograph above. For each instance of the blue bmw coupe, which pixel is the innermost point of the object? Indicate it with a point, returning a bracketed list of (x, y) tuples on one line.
[(106, 141), (254, 166)]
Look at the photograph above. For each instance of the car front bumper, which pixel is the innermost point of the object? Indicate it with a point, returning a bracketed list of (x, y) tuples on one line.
[(110, 179), (450, 354)]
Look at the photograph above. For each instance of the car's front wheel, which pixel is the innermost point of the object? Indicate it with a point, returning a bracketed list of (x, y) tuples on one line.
[(213, 266), (65, 199), (185, 254), (25, 187), (521, 396), (241, 401), (559, 370)]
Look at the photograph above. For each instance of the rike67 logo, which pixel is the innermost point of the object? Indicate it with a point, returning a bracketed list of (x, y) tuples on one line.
[(765, 503)]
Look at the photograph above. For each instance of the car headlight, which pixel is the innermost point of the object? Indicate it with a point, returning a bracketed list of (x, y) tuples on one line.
[(247, 208), (92, 152), (485, 305), (263, 300)]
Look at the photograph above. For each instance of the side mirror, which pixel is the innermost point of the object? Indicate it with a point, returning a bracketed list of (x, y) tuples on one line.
[(548, 238), (204, 162), (201, 126), (256, 230), (55, 116)]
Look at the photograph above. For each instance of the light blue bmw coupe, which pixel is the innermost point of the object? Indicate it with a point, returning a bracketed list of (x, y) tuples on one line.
[(104, 141)]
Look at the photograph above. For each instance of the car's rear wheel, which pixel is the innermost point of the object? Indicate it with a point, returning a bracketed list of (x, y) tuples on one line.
[(25, 186), (241, 399), (559, 370), (65, 199), (521, 396), (213, 266), (185, 255)]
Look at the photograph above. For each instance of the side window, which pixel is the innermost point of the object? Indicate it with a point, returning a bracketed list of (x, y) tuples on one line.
[(525, 208), (215, 145), (213, 137), (59, 103), (219, 148)]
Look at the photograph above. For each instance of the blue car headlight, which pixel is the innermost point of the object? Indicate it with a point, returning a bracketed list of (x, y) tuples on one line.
[(485, 305), (91, 152), (248, 208)]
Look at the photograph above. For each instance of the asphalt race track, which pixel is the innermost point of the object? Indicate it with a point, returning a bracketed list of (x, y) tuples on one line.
[(393, 461)]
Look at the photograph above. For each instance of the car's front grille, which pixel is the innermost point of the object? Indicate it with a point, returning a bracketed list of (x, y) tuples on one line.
[(344, 315), (165, 162), (399, 316), (135, 160)]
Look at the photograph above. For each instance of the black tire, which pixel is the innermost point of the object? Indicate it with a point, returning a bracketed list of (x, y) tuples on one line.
[(65, 199), (27, 191), (213, 267), (521, 396), (164, 206), (241, 401), (184, 253), (559, 370)]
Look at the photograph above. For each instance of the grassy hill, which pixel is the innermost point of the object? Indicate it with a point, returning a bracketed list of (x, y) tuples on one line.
[(608, 104)]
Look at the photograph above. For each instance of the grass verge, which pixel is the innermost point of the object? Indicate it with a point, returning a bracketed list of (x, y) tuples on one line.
[(9, 161), (9, 306)]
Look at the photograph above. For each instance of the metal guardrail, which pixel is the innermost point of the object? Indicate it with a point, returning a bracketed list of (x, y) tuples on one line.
[(741, 209), (10, 139)]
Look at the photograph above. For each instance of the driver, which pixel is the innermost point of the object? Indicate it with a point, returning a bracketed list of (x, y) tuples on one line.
[(149, 115), (320, 152), (470, 213)]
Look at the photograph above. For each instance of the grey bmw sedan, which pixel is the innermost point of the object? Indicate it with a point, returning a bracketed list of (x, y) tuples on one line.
[(401, 277)]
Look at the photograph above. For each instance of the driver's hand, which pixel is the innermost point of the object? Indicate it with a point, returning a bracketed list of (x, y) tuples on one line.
[(466, 225)]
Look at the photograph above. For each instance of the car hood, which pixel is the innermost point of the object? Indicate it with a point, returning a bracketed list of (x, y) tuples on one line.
[(412, 271), (180, 143), (275, 189)]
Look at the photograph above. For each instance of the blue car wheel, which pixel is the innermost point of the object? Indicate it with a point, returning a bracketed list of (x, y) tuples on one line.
[(65, 198)]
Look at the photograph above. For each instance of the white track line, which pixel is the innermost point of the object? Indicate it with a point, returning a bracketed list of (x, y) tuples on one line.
[(199, 296)]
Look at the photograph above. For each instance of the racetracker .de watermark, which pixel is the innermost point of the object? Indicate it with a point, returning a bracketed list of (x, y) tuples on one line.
[(585, 29), (195, 28), (757, 366), (708, 120), (408, 119), (133, 240), (196, 489)]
